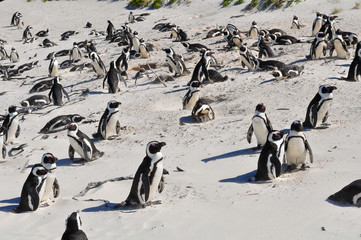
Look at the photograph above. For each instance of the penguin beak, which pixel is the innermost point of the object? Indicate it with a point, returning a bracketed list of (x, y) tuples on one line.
[(162, 144)]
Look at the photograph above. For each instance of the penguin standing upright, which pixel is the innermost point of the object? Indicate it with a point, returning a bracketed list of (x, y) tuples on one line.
[(81, 143), (11, 126), (296, 147), (264, 49), (192, 96), (261, 126), (135, 42), (295, 23), (143, 49), (247, 58), (51, 188), (339, 45), (131, 18), (27, 34), (318, 46), (14, 56), (112, 79), (200, 71), (75, 53), (148, 178), (317, 24), (57, 91), (98, 65), (110, 30), (354, 72), (254, 30), (317, 110), (3, 147), (33, 190), (15, 19), (109, 124), (122, 62), (3, 54), (271, 157), (54, 67), (175, 62), (73, 229)]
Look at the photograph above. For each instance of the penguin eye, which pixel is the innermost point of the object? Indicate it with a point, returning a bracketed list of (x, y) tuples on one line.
[(154, 144)]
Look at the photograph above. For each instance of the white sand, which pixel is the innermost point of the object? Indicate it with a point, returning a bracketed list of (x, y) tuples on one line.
[(211, 199)]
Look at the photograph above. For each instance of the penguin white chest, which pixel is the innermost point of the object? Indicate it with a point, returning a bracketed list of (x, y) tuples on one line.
[(174, 65), (55, 70), (191, 101), (246, 62), (111, 126), (42, 188), (98, 68), (12, 130), (48, 186), (341, 53), (156, 179), (77, 147), (325, 105), (254, 32), (317, 27), (319, 49), (296, 151), (14, 57), (143, 51), (260, 130)]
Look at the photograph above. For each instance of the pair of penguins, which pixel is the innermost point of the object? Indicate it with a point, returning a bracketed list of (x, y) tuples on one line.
[(295, 146)]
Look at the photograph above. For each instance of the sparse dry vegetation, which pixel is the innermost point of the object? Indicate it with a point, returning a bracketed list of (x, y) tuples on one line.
[(336, 10)]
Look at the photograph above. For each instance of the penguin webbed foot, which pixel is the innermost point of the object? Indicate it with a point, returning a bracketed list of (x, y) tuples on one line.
[(258, 147), (290, 168), (304, 167)]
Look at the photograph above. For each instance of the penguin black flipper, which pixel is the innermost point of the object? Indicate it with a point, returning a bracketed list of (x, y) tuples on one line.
[(65, 93), (268, 124), (56, 188), (50, 93), (161, 185), (71, 152), (146, 185), (249, 133), (276, 164), (325, 117), (17, 133), (313, 119), (86, 149), (117, 127), (3, 151), (105, 78), (308, 147)]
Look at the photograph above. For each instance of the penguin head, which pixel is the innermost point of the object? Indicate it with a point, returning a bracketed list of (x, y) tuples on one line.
[(113, 104), (194, 85), (73, 222), (254, 23), (318, 14), (56, 80), (39, 170), (320, 35), (242, 49), (261, 108), (297, 126), (12, 49), (153, 147), (324, 89), (339, 32), (126, 49), (49, 161), (77, 118), (73, 127), (277, 73), (295, 17), (186, 45), (25, 103), (331, 18), (12, 109), (275, 136), (112, 64)]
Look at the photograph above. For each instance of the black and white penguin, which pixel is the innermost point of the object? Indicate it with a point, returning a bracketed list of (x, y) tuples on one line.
[(179, 34), (54, 67), (3, 146), (56, 92), (264, 49), (15, 19), (295, 24), (3, 54), (47, 43), (317, 110), (339, 45), (35, 101), (10, 126), (33, 189), (122, 61), (27, 34), (354, 72), (200, 71), (148, 178), (81, 143), (135, 42), (175, 62), (214, 33), (192, 96), (60, 123), (261, 126), (215, 76), (350, 194), (112, 78), (75, 53), (14, 56), (202, 111), (350, 38), (247, 58), (73, 229), (143, 49), (318, 46), (43, 33), (98, 65), (194, 47), (288, 71), (41, 86), (67, 34), (109, 124), (285, 39), (269, 65), (296, 147), (110, 30), (51, 188), (131, 18), (271, 158), (317, 24), (254, 30)]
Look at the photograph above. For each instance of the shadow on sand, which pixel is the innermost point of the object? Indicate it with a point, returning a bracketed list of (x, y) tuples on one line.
[(246, 151)]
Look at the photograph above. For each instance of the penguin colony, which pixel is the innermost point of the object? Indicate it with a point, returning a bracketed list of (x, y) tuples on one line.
[(280, 151)]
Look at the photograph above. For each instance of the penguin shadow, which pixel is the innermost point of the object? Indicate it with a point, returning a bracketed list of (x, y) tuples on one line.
[(343, 65), (300, 61), (234, 69), (82, 82), (246, 151), (107, 207), (69, 162), (244, 178), (8, 208), (268, 81), (186, 120), (177, 90)]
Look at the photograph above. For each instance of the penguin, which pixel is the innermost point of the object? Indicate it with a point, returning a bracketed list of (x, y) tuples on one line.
[(81, 143), (328, 27), (317, 110), (131, 18), (354, 72), (318, 46), (88, 25), (35, 100), (317, 24), (51, 188), (60, 123), (32, 190), (143, 50), (288, 71), (47, 43), (110, 30), (295, 24), (339, 45), (56, 92), (73, 229), (192, 96), (15, 19), (3, 146), (43, 33), (175, 62), (54, 67), (75, 53), (202, 111), (200, 71), (112, 79), (237, 41), (271, 157), (135, 42), (194, 47), (253, 31), (261, 126), (20, 23), (214, 33), (296, 147), (3, 54), (215, 76), (122, 62), (67, 34), (269, 65), (350, 38), (41, 86), (264, 49), (350, 194), (179, 34), (27, 34), (10, 126), (98, 65), (285, 39), (109, 124), (148, 178), (14, 56), (174, 32), (247, 58)]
